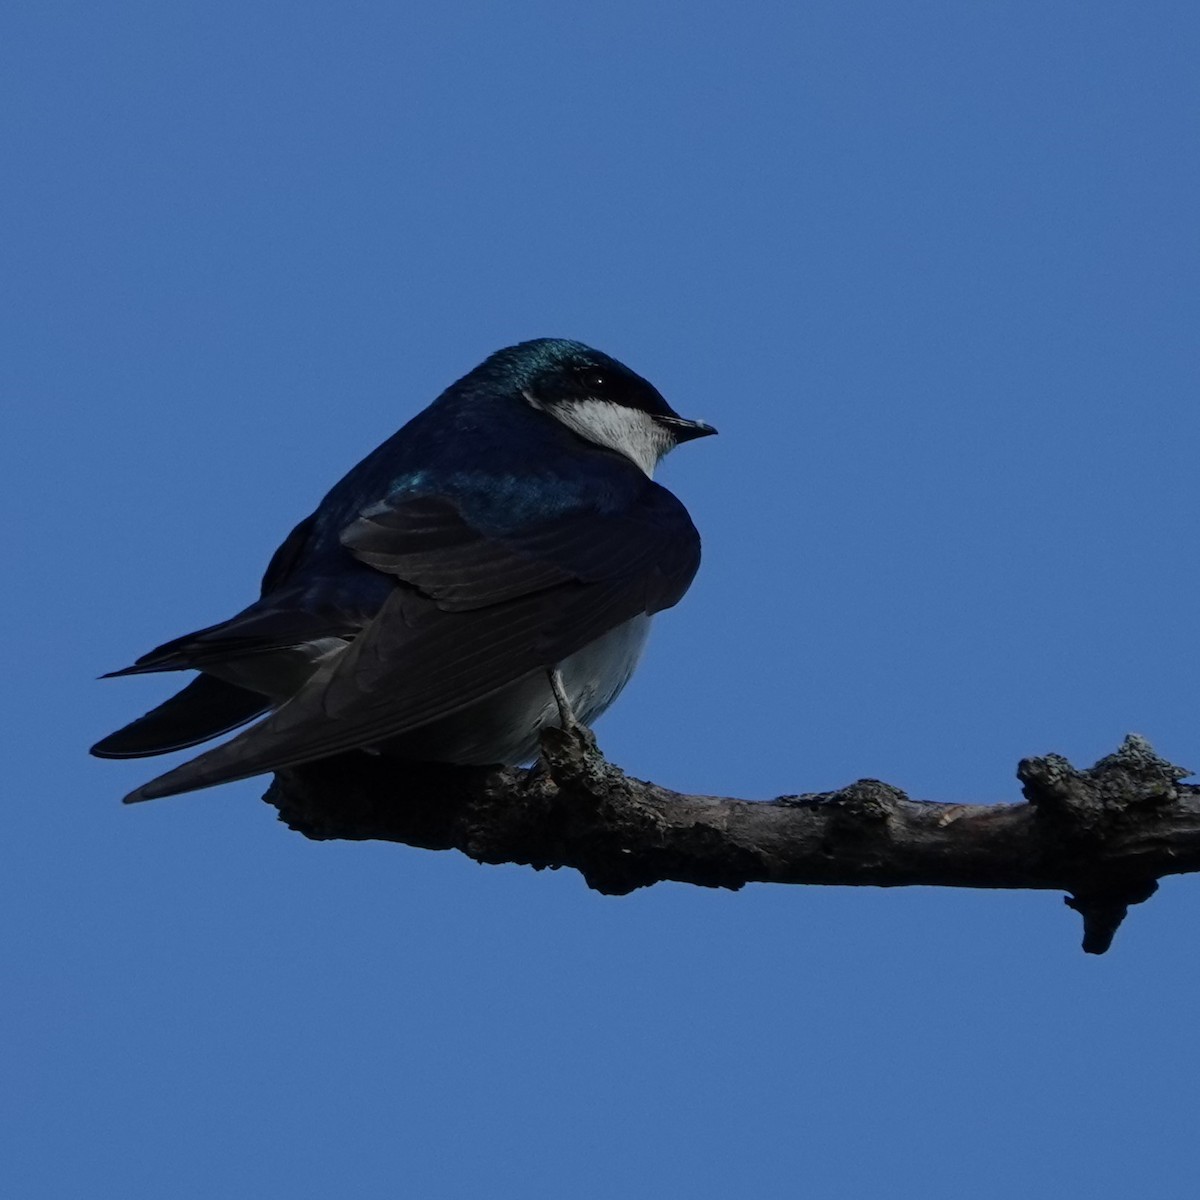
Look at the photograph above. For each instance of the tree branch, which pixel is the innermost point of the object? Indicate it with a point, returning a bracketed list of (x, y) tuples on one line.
[(1105, 835)]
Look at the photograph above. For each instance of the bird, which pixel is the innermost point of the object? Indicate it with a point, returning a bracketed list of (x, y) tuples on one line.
[(487, 572)]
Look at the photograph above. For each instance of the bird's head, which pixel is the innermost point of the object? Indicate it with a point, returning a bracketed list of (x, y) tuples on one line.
[(596, 397)]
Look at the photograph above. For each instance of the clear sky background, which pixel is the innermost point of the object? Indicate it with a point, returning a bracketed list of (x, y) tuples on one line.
[(932, 270)]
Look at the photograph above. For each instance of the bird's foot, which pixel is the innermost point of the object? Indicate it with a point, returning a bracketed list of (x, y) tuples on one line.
[(577, 741), (566, 714), (569, 754), (570, 749)]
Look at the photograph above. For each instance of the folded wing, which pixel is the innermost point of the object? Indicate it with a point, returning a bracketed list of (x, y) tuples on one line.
[(473, 610)]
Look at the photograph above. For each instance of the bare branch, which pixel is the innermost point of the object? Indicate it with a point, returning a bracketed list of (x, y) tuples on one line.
[(1105, 835)]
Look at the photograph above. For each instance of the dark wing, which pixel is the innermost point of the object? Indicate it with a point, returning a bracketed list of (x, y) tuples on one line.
[(427, 544), (264, 626), (472, 613), (289, 555), (204, 709), (283, 616)]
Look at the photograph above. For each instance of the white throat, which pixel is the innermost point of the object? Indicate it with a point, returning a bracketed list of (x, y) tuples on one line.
[(628, 431)]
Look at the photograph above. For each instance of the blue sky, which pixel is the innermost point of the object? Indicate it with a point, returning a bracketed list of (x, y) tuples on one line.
[(931, 269)]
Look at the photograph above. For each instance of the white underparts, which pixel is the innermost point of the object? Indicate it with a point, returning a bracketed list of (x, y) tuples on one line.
[(629, 431)]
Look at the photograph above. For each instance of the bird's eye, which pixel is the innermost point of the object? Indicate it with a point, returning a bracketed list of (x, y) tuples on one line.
[(594, 381)]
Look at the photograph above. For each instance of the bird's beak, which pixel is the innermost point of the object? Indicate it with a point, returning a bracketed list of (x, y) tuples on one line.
[(685, 430)]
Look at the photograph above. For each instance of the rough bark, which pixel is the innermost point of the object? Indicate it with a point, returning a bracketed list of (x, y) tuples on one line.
[(1104, 835)]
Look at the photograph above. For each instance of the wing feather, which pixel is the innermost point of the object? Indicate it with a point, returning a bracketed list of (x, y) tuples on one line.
[(472, 613)]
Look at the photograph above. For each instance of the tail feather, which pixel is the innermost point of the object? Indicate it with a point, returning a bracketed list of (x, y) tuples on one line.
[(255, 630), (204, 709)]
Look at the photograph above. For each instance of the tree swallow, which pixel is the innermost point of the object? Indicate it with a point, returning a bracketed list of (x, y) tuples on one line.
[(489, 570)]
